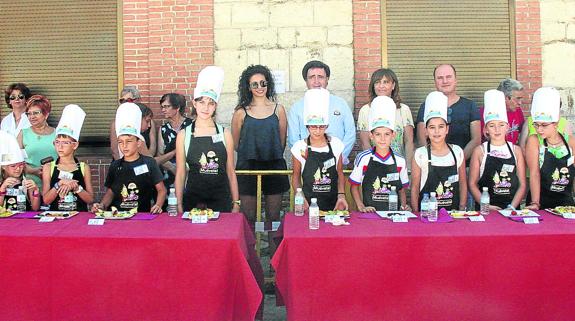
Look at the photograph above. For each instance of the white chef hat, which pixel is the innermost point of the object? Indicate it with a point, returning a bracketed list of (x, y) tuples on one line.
[(494, 102), (316, 107), (10, 152), (545, 105), (382, 113), (129, 120), (435, 106), (210, 83), (71, 122)]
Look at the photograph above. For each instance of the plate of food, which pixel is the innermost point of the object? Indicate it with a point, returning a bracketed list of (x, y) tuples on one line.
[(463, 214), (59, 215), (211, 214), (562, 210), (391, 214), (518, 213), (342, 213), (4, 212), (115, 214)]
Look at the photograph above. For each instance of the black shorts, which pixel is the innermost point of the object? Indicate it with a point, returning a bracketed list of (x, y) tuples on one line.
[(271, 184)]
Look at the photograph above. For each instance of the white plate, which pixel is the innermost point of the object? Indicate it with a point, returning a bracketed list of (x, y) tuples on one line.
[(186, 216), (507, 213), (385, 214), (58, 214)]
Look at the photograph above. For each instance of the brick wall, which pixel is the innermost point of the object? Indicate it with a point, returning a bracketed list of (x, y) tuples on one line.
[(528, 47)]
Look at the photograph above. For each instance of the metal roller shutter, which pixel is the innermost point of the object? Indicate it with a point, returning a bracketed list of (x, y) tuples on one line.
[(66, 50), (475, 36)]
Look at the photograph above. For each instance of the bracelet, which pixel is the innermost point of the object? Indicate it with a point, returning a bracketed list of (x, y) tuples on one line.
[(35, 193), (535, 203), (2, 193), (340, 193)]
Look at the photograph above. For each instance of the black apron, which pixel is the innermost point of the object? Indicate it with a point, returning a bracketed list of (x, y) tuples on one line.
[(131, 190), (377, 182), (78, 203), (444, 181), (500, 177), (319, 177), (208, 184), (556, 179), (11, 199)]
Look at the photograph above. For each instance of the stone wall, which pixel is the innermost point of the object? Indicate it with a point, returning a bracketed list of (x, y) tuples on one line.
[(558, 39), (283, 35)]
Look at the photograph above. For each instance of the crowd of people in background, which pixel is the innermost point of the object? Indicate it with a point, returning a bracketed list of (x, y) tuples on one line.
[(452, 149)]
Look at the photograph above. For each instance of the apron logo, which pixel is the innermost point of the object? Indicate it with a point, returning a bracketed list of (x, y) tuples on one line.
[(67, 203), (381, 189), (130, 196), (209, 164), (502, 183), (321, 181), (560, 179), (444, 194)]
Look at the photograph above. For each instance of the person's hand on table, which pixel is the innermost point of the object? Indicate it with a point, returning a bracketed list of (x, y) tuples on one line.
[(366, 209), (96, 207), (156, 209), (533, 206), (494, 208), (235, 208), (341, 203), (180, 209), (405, 208)]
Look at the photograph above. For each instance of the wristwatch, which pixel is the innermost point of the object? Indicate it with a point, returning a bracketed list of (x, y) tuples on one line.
[(79, 190), (56, 186), (237, 202)]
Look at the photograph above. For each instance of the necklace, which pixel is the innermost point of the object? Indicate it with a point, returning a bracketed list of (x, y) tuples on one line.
[(40, 132)]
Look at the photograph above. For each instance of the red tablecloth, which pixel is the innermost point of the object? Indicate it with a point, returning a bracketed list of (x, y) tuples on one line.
[(161, 269), (380, 270)]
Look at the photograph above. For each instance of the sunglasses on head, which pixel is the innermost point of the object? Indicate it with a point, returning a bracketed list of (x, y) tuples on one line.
[(21, 97), (126, 100), (256, 85)]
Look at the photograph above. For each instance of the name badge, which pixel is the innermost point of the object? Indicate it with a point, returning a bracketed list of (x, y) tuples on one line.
[(393, 177), (199, 219), (65, 175), (569, 215), (96, 221), (478, 218), (217, 138), (46, 219), (399, 219), (453, 179), (507, 168), (11, 192), (329, 163), (142, 169)]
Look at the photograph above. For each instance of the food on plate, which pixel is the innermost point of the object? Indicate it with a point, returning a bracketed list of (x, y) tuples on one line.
[(523, 212), (196, 211), (336, 212), (564, 209), (464, 214), (58, 214), (4, 212), (114, 213)]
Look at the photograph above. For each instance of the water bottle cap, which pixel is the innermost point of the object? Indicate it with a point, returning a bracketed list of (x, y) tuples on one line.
[(393, 188), (432, 194), (298, 189), (425, 194), (314, 200), (485, 189), (172, 190)]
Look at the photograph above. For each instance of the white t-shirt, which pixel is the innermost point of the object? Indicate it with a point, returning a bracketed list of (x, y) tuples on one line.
[(441, 161), (363, 158), (9, 124), (298, 150), (496, 151)]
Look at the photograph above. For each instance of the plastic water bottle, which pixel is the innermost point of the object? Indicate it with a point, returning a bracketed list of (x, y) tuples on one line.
[(432, 210), (298, 202), (21, 199), (172, 203), (313, 215), (393, 199), (484, 202), (424, 210)]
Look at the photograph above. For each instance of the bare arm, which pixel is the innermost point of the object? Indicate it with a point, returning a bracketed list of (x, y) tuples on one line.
[(532, 160), (415, 184), (523, 136), (474, 169), (160, 198), (231, 171), (403, 198), (520, 170), (105, 202), (364, 140), (153, 138), (181, 172), (237, 123), (462, 186), (283, 124), (408, 143), (114, 141), (341, 203), (475, 129)]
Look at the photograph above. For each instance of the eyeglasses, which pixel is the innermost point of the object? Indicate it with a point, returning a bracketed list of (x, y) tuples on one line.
[(126, 100), (317, 126), (541, 125), (256, 85), (17, 165), (34, 113), (62, 143), (21, 97)]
